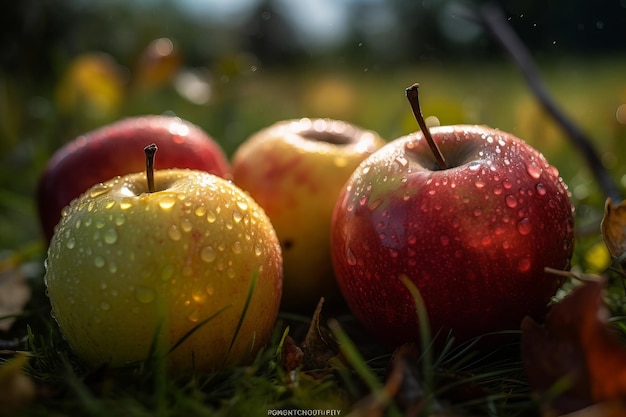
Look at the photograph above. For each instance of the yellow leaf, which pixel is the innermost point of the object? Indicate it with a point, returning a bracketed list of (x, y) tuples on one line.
[(614, 228)]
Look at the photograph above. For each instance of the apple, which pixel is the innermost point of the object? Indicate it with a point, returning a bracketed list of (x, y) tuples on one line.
[(114, 150), (471, 215), (295, 169), (188, 267)]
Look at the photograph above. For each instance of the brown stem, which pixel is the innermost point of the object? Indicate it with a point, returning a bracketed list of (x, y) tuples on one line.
[(412, 96), (150, 151)]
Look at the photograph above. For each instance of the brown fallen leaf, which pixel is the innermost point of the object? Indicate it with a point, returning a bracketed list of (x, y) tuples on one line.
[(319, 345), (613, 228), (576, 347)]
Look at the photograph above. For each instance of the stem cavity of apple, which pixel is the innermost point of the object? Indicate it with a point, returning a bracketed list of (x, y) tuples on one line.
[(412, 96), (150, 151)]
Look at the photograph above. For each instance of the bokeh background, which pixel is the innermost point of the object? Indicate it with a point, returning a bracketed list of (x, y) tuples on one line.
[(236, 66)]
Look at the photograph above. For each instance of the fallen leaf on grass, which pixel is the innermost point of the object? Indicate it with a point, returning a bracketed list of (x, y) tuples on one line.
[(576, 350), (614, 229), (314, 353)]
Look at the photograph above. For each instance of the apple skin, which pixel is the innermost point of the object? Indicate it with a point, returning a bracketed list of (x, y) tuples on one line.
[(474, 238), (124, 262), (115, 150), (295, 169)]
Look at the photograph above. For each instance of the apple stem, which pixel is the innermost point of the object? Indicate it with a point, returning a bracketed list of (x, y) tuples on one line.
[(150, 151), (412, 96)]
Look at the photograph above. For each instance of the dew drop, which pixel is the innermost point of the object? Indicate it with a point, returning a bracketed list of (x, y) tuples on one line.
[(70, 243), (125, 205), (210, 290), (120, 219), (497, 190), (477, 211), (445, 240), (98, 190), (479, 184), (167, 202), (112, 267), (200, 211), (109, 205), (186, 225), (197, 295), (208, 254), (242, 205), (167, 272), (510, 201), (524, 265), (210, 216), (523, 226), (350, 257), (110, 236), (173, 232), (144, 295), (533, 169), (194, 316), (237, 216), (105, 306), (258, 250), (237, 248), (541, 189), (99, 261), (230, 273)]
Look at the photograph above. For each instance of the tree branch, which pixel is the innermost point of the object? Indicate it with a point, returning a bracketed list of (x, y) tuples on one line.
[(494, 21)]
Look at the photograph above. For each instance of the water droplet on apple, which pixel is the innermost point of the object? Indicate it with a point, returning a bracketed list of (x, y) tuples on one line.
[(109, 205), (120, 219), (100, 223), (541, 189), (523, 226), (524, 265), (497, 190), (230, 273), (237, 247), (173, 232), (125, 204), (363, 200), (197, 295), (477, 211), (479, 184), (208, 254), (70, 243), (98, 190), (112, 267), (105, 306), (258, 251), (350, 257), (209, 289), (194, 316), (167, 202), (110, 236), (99, 261), (237, 216), (445, 240), (144, 295), (507, 184), (533, 169), (510, 201), (167, 272), (210, 216)]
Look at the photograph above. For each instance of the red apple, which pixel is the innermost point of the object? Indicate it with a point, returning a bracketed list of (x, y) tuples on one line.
[(473, 229), (114, 150)]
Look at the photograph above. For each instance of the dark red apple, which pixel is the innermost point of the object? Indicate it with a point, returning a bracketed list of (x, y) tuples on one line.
[(473, 229), (116, 149)]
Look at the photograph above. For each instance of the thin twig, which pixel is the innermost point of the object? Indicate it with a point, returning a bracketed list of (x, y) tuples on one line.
[(494, 21)]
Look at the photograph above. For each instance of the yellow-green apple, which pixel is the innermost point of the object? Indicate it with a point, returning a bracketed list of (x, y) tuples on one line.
[(191, 267), (114, 150), (473, 224), (294, 169)]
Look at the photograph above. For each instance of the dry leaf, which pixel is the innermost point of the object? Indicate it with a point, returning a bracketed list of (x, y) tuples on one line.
[(577, 345), (14, 294), (614, 227), (319, 345)]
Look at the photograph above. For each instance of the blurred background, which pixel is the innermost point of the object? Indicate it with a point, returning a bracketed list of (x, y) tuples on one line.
[(236, 66)]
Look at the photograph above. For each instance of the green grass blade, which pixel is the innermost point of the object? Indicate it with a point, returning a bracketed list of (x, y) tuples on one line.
[(251, 288)]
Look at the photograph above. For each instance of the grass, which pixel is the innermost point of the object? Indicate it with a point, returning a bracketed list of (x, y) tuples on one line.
[(457, 379)]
